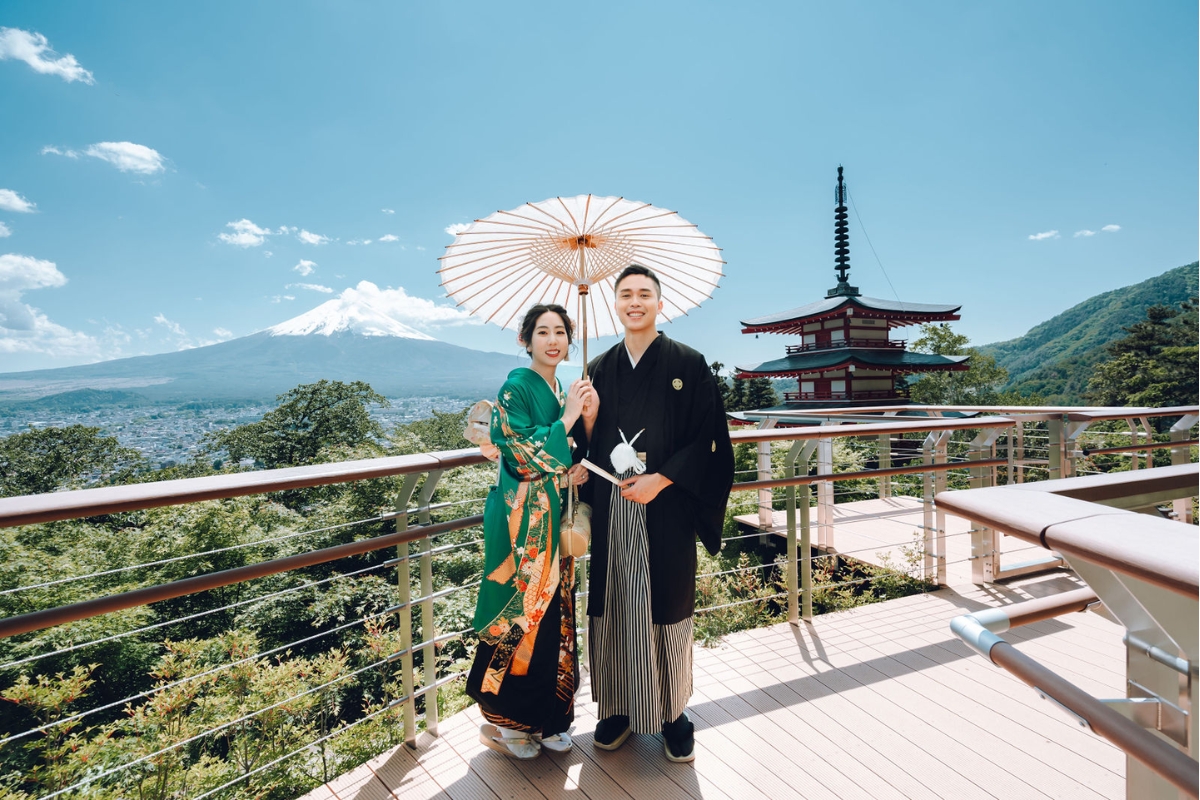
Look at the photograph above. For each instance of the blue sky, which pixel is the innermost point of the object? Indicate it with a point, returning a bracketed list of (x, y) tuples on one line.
[(137, 138)]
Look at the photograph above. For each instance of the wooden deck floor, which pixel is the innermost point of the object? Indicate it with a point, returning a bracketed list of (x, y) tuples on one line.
[(877, 702), (877, 531)]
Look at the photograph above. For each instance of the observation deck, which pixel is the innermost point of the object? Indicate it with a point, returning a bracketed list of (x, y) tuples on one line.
[(894, 699)]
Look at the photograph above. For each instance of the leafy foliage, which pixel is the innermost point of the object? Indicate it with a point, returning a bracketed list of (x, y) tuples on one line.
[(742, 394), (978, 385), (45, 459), (1155, 364), (309, 418)]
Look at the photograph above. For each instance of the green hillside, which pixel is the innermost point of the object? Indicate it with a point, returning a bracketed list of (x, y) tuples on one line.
[(1055, 359)]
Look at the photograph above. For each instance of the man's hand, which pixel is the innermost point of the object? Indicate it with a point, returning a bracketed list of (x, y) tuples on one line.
[(490, 451), (644, 488)]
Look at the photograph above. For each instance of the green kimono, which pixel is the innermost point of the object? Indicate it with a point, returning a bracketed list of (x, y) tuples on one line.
[(525, 611)]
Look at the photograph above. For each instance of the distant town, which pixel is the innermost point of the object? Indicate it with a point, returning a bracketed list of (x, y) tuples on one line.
[(170, 434)]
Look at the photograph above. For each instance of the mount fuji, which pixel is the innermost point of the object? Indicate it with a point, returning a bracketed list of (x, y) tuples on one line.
[(347, 339)]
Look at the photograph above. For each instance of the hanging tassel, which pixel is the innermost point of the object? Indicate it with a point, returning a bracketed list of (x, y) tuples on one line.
[(624, 457)]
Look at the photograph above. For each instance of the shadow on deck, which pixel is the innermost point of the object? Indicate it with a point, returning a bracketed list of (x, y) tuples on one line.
[(881, 701)]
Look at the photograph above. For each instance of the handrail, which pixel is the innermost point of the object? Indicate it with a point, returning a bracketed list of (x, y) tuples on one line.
[(1100, 534), (38, 620), (54, 506), (1160, 756), (804, 480), (901, 425)]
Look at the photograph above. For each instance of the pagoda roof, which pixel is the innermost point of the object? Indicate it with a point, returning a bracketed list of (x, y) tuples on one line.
[(897, 312), (825, 360)]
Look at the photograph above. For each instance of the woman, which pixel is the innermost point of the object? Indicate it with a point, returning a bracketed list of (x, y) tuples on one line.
[(525, 672)]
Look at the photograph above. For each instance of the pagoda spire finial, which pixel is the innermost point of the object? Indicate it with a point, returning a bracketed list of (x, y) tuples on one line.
[(841, 246)]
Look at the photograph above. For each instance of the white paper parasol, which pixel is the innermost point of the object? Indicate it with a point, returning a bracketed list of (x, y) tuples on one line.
[(569, 250)]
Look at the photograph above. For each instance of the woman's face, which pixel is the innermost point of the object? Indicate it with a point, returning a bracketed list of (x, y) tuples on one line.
[(550, 342)]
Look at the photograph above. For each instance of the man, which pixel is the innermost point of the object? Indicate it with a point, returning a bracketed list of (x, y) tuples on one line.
[(660, 427)]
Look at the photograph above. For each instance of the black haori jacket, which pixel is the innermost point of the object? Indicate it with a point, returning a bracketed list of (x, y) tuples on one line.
[(686, 439)]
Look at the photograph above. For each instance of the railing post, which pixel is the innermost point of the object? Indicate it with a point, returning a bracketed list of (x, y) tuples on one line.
[(933, 522), (825, 498), (985, 555), (1135, 437), (1181, 432), (793, 569), (404, 587), (1020, 459), (1071, 433), (1054, 431), (766, 501), (428, 627), (939, 485), (885, 462), (799, 454)]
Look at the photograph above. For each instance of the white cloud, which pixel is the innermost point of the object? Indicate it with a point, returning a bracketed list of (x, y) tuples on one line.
[(388, 210), (20, 273), (223, 333), (312, 287), (285, 229), (306, 267), (25, 329), (11, 201), (267, 254), (279, 298), (420, 248), (1037, 237), (1111, 228), (34, 49), (127, 156), (309, 237), (173, 327), (389, 237), (358, 241), (1084, 232), (415, 311), (4, 230), (245, 234), (457, 228)]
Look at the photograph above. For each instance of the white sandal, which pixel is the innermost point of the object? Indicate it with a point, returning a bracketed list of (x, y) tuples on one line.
[(522, 747), (558, 743)]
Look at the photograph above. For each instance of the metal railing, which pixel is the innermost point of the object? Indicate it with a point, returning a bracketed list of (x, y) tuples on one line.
[(879, 344), (408, 632), (1143, 573)]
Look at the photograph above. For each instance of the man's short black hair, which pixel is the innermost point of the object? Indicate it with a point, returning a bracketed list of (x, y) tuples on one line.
[(638, 269)]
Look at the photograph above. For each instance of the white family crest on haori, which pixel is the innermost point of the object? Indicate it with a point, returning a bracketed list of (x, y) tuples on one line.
[(566, 247)]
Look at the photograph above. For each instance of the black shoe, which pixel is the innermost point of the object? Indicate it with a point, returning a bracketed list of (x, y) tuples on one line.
[(611, 732), (679, 739)]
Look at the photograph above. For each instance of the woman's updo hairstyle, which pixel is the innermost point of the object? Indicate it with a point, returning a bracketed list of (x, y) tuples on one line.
[(529, 322)]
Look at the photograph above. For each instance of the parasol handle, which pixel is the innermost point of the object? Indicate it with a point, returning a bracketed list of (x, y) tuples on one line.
[(583, 291)]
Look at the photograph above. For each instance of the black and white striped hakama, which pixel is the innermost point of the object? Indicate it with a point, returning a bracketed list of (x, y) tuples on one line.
[(638, 669)]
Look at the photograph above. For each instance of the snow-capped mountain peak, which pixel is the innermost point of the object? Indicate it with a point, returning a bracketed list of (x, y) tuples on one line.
[(349, 313)]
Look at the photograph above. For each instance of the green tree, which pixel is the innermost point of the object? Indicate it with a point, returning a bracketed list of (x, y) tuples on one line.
[(309, 418), (978, 385), (442, 431), (722, 384), (760, 393), (43, 460), (1154, 364)]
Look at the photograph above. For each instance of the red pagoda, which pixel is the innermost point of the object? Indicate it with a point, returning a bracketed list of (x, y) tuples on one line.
[(846, 356)]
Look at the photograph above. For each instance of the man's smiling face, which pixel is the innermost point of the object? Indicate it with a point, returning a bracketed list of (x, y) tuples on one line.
[(638, 303)]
